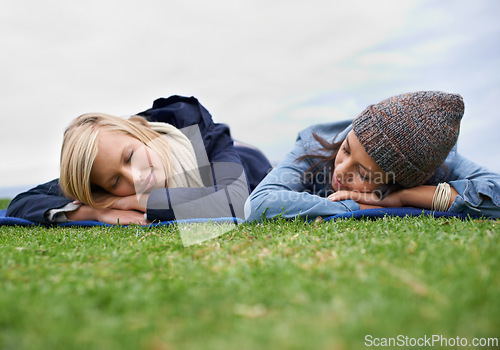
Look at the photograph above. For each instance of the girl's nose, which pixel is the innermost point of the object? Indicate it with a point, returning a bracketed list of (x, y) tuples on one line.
[(345, 171), (139, 175), (128, 175), (141, 165)]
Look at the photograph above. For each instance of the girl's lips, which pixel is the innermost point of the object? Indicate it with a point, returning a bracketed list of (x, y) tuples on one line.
[(337, 183), (149, 182)]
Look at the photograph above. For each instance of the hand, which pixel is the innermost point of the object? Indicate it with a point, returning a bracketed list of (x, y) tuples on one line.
[(418, 197), (369, 199), (132, 202), (107, 215), (122, 217)]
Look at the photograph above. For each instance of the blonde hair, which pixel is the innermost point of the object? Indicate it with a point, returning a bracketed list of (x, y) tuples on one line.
[(80, 147)]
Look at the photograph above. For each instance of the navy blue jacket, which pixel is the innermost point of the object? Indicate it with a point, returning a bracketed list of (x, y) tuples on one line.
[(227, 164)]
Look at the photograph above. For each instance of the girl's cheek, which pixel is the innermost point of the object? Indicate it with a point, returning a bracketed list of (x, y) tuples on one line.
[(338, 159), (369, 187), (124, 190)]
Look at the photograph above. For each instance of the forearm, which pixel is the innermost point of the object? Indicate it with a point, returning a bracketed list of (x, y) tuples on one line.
[(34, 204), (57, 216), (478, 188), (421, 197), (107, 215), (83, 213), (268, 202)]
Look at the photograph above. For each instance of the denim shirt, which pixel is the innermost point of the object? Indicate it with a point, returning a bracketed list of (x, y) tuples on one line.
[(283, 192)]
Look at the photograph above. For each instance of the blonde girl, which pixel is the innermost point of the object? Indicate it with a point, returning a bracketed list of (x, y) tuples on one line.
[(146, 168)]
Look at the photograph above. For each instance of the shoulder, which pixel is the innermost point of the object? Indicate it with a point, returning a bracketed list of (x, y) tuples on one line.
[(174, 100), (179, 111), (334, 131)]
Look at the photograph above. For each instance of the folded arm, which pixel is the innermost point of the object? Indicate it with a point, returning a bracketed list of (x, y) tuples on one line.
[(284, 193), (474, 190), (35, 204)]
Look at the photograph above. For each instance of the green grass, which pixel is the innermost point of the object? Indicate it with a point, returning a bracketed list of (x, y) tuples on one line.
[(4, 202), (280, 285)]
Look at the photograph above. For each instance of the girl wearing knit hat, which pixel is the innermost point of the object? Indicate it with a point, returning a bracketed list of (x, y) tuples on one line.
[(169, 162), (399, 152)]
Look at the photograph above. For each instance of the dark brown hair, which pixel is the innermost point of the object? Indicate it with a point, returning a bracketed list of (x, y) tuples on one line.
[(322, 160)]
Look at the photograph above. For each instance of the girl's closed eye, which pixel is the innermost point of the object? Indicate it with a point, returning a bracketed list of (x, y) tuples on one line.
[(129, 157), (363, 177), (344, 148), (127, 161)]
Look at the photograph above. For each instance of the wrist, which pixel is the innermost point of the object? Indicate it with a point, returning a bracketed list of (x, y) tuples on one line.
[(404, 195), (84, 213), (418, 197)]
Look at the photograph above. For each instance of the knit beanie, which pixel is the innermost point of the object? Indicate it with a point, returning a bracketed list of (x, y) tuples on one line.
[(410, 135)]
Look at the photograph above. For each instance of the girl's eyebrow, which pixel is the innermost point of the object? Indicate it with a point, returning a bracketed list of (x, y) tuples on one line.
[(361, 165)]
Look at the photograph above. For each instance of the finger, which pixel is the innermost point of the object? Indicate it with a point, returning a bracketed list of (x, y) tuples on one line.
[(341, 195), (131, 221), (334, 197), (143, 222), (139, 222), (358, 197), (140, 218)]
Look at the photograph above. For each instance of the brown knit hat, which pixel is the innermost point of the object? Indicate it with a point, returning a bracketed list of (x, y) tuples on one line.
[(410, 135)]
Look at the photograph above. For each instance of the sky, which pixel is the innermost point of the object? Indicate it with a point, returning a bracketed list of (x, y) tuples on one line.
[(266, 68)]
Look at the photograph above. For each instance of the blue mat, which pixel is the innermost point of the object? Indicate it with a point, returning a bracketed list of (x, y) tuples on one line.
[(399, 212), (11, 221), (358, 214)]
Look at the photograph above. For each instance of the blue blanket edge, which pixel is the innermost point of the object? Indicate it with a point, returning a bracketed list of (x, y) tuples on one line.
[(12, 221), (358, 214), (398, 212)]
